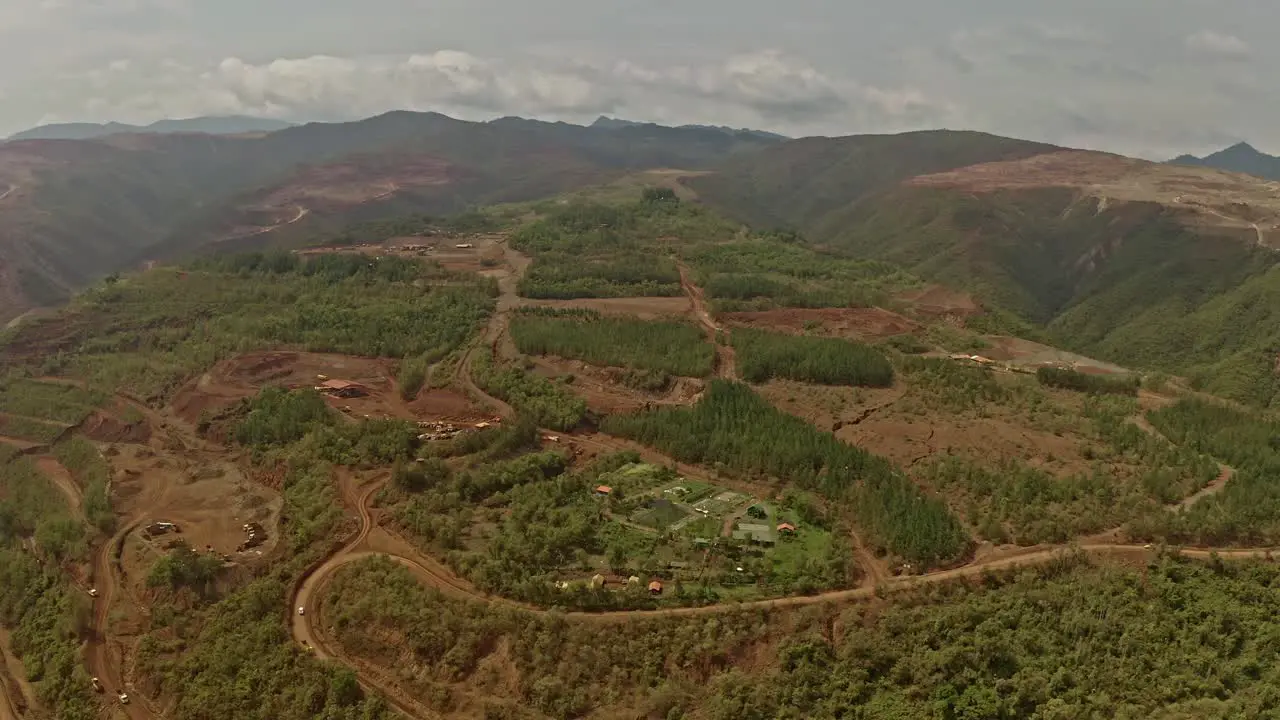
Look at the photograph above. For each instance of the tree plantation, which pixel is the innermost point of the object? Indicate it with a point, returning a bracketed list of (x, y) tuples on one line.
[(677, 348), (827, 361), (733, 427)]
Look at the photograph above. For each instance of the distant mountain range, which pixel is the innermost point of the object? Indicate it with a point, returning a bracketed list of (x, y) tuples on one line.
[(608, 122), (1241, 157), (224, 125)]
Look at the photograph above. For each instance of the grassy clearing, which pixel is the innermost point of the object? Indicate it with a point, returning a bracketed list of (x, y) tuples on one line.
[(677, 348), (31, 430), (57, 402)]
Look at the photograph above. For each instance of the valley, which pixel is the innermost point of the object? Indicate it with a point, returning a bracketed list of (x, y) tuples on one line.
[(593, 447)]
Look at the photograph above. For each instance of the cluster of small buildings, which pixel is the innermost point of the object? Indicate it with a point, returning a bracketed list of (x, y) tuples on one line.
[(762, 534)]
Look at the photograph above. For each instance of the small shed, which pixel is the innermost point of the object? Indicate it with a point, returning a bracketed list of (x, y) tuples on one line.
[(655, 587), (633, 580), (603, 490), (786, 529)]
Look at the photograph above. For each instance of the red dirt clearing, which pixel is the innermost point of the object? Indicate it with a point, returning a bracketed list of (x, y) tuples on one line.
[(243, 376), (861, 323)]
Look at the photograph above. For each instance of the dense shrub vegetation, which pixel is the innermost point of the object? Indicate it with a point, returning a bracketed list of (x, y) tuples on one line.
[(1247, 510), (1084, 382), (1028, 644), (677, 348), (763, 355), (148, 333), (733, 427), (545, 402), (93, 475), (1131, 474), (45, 616)]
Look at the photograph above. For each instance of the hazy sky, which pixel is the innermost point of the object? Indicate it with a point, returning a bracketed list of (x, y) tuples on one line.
[(1148, 77)]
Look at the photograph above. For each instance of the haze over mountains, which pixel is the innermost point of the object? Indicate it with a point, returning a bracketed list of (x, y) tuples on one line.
[(1241, 157), (226, 125)]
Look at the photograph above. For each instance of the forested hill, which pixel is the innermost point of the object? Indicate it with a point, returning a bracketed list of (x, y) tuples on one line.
[(1147, 264), (75, 210)]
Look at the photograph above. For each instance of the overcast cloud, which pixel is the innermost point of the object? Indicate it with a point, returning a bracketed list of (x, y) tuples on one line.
[(1146, 77)]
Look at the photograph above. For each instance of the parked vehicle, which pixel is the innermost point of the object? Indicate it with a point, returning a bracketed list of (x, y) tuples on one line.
[(124, 697), (97, 686)]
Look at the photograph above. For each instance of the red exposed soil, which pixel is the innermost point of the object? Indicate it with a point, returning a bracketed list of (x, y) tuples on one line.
[(243, 376), (110, 427), (1067, 168), (860, 323)]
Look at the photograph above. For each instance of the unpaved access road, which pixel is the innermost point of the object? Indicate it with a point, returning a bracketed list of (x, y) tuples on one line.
[(726, 362)]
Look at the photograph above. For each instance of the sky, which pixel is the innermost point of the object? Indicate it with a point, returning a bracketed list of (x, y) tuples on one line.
[(1151, 78)]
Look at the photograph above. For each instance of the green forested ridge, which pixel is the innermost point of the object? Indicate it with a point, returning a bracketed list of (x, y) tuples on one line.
[(762, 355), (147, 333), (733, 427), (1172, 640), (678, 348)]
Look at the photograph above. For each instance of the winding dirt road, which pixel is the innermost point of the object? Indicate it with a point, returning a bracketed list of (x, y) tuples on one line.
[(726, 360), (876, 579), (10, 191)]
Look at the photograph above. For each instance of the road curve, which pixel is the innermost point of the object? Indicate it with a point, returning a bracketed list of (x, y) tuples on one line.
[(98, 655)]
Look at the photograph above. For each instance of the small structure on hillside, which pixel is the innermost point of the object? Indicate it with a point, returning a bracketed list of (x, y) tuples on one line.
[(597, 581), (786, 529), (603, 490), (342, 388), (655, 587), (633, 580)]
